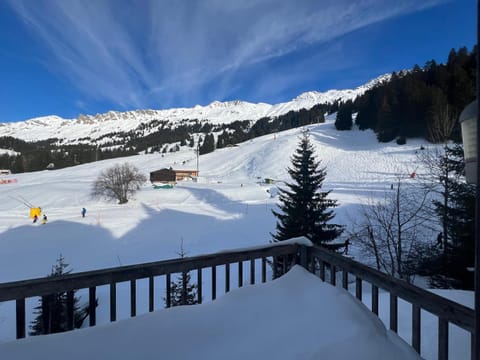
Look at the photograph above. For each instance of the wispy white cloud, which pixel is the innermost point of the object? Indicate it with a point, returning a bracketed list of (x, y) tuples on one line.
[(136, 54)]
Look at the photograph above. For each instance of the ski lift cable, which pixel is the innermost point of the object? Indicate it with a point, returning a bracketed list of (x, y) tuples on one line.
[(26, 201), (23, 201)]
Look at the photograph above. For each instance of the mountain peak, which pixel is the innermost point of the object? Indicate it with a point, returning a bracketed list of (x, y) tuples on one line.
[(217, 112)]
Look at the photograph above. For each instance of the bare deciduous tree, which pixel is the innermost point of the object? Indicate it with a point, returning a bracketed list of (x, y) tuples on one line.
[(118, 182), (389, 230), (442, 120)]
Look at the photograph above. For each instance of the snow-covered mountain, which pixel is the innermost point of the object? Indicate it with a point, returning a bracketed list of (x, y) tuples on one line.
[(96, 126)]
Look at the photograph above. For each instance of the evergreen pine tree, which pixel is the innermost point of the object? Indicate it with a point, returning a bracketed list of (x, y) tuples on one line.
[(387, 129), (208, 144), (344, 120), (460, 210), (51, 312), (305, 210), (182, 291)]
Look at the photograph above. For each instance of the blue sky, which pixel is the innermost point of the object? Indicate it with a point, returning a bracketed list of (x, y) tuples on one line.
[(70, 57)]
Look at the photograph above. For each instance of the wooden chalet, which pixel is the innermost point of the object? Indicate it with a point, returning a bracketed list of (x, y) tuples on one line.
[(164, 176), (170, 176)]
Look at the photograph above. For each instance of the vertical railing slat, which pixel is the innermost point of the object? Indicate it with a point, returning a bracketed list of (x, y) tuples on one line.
[(184, 288), (393, 313), (168, 287), (214, 282), (322, 269), (375, 299), (92, 305), (275, 266), (264, 270), (442, 339), (472, 347), (133, 298), (333, 275), (20, 318), (240, 274), (227, 277), (345, 279), (358, 288), (151, 294), (304, 257), (416, 324), (113, 301), (252, 271), (199, 285)]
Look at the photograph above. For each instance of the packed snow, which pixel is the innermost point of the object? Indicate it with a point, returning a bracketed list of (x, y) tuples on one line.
[(318, 321), (228, 208)]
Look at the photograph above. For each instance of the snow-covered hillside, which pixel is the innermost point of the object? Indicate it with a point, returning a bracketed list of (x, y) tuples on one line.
[(228, 208), (96, 126), (227, 200)]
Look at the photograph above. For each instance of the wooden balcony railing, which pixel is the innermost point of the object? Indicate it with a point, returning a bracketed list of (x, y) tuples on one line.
[(445, 310), (316, 259), (19, 291)]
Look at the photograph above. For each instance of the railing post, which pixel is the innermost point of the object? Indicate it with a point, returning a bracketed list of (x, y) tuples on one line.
[(274, 267), (333, 274), (252, 271), (133, 298), (20, 305), (168, 285), (345, 279), (92, 306), (442, 339), (416, 324), (227, 277), (70, 310), (151, 293), (264, 270), (375, 299), (113, 301), (214, 282), (393, 313), (358, 288), (322, 269), (184, 288), (199, 284), (304, 256), (240, 274)]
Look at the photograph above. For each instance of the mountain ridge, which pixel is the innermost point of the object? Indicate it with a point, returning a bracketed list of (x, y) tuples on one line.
[(215, 113)]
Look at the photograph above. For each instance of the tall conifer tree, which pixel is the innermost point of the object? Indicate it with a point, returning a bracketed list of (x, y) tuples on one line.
[(460, 211), (304, 209), (344, 120)]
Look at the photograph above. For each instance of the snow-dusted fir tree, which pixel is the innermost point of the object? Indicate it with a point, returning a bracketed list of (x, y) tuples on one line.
[(51, 312), (182, 291), (305, 210)]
